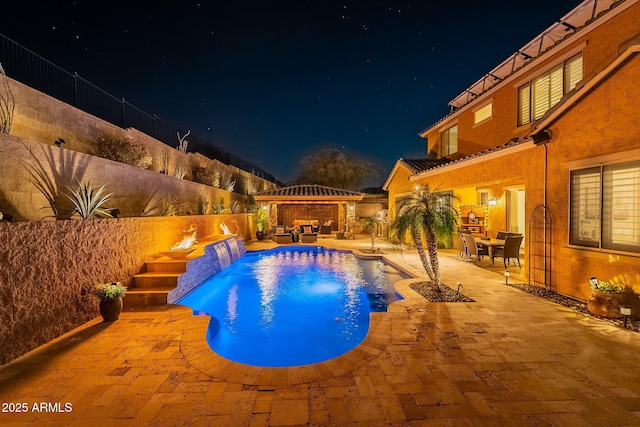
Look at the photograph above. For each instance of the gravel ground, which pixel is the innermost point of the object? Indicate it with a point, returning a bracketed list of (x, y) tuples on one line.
[(633, 323), (430, 292)]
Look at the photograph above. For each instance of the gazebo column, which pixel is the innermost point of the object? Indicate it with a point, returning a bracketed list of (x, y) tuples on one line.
[(273, 215)]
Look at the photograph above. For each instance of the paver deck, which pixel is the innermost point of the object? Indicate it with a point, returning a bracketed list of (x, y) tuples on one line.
[(508, 358)]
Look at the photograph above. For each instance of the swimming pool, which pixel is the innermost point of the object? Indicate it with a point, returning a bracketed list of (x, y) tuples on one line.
[(293, 306)]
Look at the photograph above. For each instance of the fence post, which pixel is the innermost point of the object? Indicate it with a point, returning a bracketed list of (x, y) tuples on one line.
[(75, 89)]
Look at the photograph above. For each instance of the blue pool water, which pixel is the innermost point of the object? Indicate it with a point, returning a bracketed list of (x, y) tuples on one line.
[(292, 305)]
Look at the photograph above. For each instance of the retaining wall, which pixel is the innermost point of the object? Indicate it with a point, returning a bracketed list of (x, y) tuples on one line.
[(49, 268)]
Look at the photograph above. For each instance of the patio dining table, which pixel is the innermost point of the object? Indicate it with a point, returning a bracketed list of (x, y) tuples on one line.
[(490, 244)]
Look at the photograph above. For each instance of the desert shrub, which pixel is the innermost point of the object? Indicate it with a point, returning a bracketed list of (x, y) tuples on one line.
[(124, 150), (171, 206), (202, 175)]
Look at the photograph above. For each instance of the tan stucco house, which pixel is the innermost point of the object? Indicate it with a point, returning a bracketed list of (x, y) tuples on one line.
[(548, 144)]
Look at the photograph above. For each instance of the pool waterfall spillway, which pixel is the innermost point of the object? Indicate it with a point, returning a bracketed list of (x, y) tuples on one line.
[(217, 256)]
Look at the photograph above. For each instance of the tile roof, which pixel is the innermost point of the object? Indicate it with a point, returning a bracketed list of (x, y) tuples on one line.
[(309, 191), (421, 165), (511, 143)]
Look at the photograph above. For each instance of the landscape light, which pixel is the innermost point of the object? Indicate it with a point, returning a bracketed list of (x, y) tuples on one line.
[(626, 312)]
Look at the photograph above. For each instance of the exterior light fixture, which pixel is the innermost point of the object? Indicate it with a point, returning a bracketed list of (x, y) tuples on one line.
[(59, 142), (506, 277), (5, 217), (626, 312), (542, 137), (594, 282)]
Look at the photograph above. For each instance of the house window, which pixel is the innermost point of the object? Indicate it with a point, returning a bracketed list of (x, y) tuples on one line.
[(449, 141), (545, 91), (605, 207), (483, 113)]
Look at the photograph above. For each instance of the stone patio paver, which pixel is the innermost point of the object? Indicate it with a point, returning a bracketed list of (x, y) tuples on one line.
[(508, 358)]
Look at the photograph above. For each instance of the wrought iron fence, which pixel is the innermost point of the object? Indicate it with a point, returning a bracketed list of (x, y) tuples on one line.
[(27, 67)]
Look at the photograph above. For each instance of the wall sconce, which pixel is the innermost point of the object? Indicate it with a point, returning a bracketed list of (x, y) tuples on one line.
[(115, 212), (493, 201), (626, 312), (594, 282), (506, 277), (5, 217), (59, 142)]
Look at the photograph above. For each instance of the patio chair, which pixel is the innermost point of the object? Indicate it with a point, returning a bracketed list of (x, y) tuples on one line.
[(472, 248), (510, 250), (502, 234), (462, 253)]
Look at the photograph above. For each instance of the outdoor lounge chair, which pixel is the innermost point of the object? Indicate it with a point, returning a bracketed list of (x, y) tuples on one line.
[(307, 235), (279, 236), (511, 249)]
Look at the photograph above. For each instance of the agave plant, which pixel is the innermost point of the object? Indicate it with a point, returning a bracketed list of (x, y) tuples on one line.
[(89, 201)]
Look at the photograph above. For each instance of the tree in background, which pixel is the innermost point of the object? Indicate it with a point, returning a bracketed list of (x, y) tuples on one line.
[(334, 168)]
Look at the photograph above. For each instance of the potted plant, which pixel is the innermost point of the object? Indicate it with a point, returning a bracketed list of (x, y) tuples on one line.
[(110, 295), (262, 222), (605, 299)]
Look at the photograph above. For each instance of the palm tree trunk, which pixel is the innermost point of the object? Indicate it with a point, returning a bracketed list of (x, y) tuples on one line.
[(432, 246), (424, 257)]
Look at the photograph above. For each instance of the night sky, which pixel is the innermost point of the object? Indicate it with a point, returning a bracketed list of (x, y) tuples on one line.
[(274, 81)]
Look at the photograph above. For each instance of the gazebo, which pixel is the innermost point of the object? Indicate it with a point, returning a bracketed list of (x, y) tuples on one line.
[(310, 204)]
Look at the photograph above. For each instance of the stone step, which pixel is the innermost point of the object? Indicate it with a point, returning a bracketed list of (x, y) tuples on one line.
[(166, 265), (146, 297), (155, 280)]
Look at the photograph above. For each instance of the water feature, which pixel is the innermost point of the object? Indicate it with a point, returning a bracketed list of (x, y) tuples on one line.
[(217, 257), (293, 305), (224, 257), (235, 250)]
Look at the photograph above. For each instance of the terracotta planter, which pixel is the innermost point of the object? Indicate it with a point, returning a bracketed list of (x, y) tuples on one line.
[(605, 304), (110, 309)]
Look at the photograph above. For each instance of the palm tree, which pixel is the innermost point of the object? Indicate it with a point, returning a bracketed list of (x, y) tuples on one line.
[(428, 217), (371, 223)]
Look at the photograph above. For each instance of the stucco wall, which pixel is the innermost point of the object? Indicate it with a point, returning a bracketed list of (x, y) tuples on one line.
[(49, 268), (134, 190), (41, 118), (605, 122)]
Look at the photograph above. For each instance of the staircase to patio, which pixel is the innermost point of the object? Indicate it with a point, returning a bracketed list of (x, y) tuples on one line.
[(165, 279)]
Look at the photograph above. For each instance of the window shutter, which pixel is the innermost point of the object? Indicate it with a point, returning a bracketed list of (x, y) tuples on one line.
[(555, 87), (453, 139), (584, 227), (573, 72), (540, 94), (524, 104), (621, 207)]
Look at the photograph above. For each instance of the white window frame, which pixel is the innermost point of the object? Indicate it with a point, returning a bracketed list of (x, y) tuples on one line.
[(481, 115), (446, 134), (604, 206), (538, 95)]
